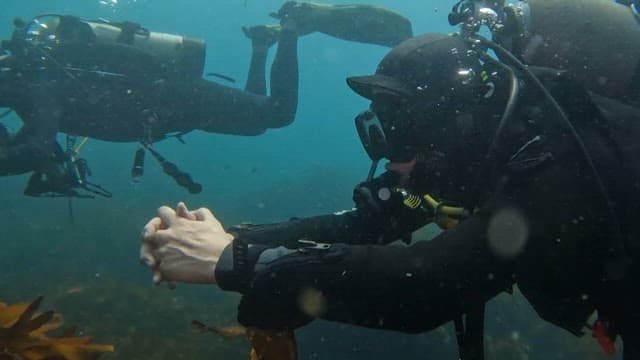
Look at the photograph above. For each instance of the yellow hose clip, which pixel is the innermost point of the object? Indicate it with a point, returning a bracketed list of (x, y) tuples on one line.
[(446, 216)]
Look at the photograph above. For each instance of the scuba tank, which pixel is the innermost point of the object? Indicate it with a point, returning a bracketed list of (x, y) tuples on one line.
[(178, 54), (598, 41)]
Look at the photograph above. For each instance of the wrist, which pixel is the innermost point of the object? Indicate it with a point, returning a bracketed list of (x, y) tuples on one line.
[(223, 270), (235, 266)]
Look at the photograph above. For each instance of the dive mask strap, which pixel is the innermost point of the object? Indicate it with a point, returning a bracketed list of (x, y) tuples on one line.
[(372, 169)]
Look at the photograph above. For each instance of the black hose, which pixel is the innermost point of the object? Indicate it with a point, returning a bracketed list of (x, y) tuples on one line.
[(492, 153)]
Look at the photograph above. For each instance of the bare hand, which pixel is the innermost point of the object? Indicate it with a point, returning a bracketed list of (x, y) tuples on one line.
[(183, 245)]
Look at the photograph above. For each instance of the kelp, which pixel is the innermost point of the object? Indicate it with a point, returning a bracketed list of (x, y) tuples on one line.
[(272, 345), (265, 344), (227, 332), (26, 334)]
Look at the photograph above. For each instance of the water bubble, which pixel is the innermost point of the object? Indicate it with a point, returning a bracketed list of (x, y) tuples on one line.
[(111, 3), (384, 194), (507, 232), (312, 302)]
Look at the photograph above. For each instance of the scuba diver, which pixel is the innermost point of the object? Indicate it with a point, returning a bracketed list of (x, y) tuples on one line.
[(531, 172), (121, 82)]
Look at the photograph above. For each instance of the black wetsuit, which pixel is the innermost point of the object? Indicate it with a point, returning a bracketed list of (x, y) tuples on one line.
[(116, 92), (568, 264)]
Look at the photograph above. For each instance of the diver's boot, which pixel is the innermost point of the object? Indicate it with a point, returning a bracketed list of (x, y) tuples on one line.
[(262, 36)]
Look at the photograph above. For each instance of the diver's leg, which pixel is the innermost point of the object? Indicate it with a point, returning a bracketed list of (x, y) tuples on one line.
[(247, 112), (250, 112), (262, 38), (284, 76), (361, 23), (256, 82)]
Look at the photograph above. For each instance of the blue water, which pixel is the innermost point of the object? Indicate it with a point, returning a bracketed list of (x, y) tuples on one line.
[(88, 270)]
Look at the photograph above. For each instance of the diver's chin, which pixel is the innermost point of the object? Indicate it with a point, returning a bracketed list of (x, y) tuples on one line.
[(402, 169)]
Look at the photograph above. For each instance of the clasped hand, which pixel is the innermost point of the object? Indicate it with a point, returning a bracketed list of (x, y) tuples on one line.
[(183, 245)]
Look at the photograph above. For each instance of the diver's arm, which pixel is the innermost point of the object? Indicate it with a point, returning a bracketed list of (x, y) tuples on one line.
[(407, 288), (29, 97), (34, 147), (410, 289), (185, 245), (379, 217), (30, 155)]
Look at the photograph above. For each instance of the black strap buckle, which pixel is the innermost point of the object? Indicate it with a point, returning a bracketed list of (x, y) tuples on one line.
[(310, 245)]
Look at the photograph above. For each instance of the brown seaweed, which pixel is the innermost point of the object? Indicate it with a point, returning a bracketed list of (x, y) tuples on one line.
[(226, 332), (25, 334)]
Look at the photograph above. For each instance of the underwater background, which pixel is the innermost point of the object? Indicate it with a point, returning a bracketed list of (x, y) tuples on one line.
[(86, 265)]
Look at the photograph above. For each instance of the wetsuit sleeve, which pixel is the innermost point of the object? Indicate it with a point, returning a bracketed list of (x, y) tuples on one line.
[(379, 217), (406, 288)]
